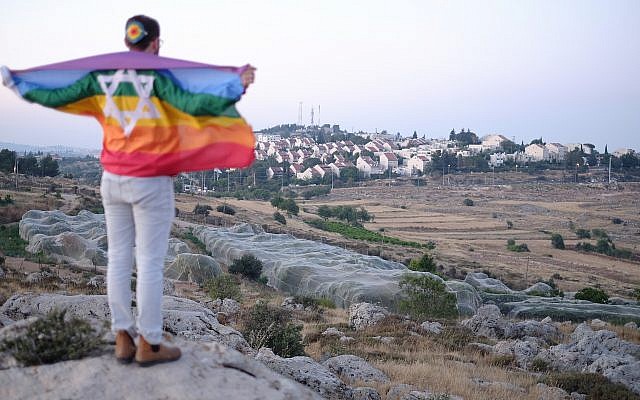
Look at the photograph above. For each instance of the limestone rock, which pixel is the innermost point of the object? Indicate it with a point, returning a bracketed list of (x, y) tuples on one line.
[(631, 325), (205, 370), (332, 332), (353, 368), (181, 317), (168, 287), (97, 281), (596, 323), (598, 351), (229, 307), (498, 385), (487, 322), (37, 277), (550, 393), (362, 315), (398, 391), (196, 268), (431, 327), (289, 303), (366, 393), (308, 372), (524, 351)]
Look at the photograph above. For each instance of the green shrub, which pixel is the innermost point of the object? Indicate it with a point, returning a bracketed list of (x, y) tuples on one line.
[(595, 386), (279, 218), (617, 220), (503, 360), (599, 233), (202, 209), (519, 248), (509, 224), (6, 201), (267, 326), (636, 293), (360, 233), (583, 233), (289, 205), (224, 286), (468, 202), (426, 298), (51, 339), (11, 244), (593, 295), (424, 264), (248, 266), (557, 241), (226, 209), (326, 303), (540, 365)]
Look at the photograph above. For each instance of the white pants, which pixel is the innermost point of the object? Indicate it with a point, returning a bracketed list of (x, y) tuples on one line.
[(138, 212)]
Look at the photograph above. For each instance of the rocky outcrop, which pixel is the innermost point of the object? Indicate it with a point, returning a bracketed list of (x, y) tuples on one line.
[(434, 328), (205, 371), (354, 369), (195, 268), (489, 322), (308, 372), (181, 317), (363, 315), (597, 351)]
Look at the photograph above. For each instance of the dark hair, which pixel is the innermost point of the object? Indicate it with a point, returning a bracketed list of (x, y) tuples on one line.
[(150, 25)]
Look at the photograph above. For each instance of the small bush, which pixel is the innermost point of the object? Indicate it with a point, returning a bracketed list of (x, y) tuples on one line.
[(509, 224), (248, 266), (267, 326), (11, 244), (617, 220), (595, 386), (468, 202), (593, 295), (279, 218), (424, 264), (539, 365), (504, 360), (557, 241), (202, 209), (599, 233), (426, 298), (51, 339), (224, 286), (519, 248), (226, 209), (6, 201), (583, 233)]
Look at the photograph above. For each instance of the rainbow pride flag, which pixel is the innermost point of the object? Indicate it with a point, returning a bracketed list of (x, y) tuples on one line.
[(160, 116)]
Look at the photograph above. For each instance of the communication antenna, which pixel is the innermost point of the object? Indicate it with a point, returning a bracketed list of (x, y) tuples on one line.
[(300, 121), (311, 115)]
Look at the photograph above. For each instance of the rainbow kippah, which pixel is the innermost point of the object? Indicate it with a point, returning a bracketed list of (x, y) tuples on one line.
[(135, 32)]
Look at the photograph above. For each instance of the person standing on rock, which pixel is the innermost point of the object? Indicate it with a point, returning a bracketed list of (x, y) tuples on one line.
[(140, 211), (160, 117)]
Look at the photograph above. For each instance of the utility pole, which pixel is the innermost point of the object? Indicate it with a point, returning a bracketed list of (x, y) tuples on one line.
[(15, 169), (228, 182)]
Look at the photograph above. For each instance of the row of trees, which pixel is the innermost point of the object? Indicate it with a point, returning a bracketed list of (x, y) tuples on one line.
[(29, 164)]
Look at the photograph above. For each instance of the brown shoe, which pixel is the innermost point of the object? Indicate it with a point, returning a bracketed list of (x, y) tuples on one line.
[(151, 354), (125, 347)]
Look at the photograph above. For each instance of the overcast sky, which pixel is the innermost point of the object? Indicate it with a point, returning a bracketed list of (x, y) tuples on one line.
[(568, 71)]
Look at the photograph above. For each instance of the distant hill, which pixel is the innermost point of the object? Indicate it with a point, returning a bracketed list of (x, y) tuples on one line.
[(64, 151)]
